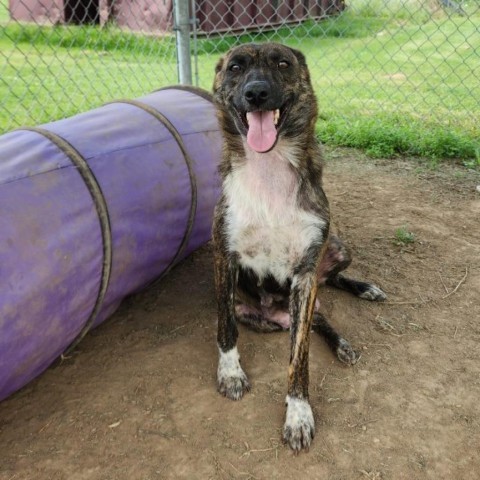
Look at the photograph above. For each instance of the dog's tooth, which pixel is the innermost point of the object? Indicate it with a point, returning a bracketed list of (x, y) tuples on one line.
[(276, 116)]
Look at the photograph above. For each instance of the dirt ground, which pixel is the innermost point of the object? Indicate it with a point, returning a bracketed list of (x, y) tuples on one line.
[(138, 398)]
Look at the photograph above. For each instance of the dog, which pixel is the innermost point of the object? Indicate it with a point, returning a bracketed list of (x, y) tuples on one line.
[(273, 244)]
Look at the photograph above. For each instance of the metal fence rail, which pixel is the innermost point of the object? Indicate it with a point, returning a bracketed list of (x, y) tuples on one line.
[(409, 62)]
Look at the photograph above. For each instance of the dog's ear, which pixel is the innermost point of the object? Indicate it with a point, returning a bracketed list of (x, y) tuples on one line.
[(302, 61), (219, 65), (218, 70), (300, 57)]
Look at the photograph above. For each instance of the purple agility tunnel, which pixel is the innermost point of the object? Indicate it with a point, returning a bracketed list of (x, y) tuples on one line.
[(94, 208)]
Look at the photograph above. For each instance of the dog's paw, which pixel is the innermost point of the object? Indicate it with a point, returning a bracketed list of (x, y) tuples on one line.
[(374, 294), (231, 379), (233, 386), (346, 354), (299, 428)]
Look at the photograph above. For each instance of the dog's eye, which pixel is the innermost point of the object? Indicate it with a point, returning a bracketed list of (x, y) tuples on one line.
[(235, 68), (283, 64)]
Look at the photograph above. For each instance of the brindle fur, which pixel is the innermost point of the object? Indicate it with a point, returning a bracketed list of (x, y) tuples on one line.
[(241, 294)]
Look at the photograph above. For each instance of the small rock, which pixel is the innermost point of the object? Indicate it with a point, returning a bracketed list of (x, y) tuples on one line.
[(478, 188)]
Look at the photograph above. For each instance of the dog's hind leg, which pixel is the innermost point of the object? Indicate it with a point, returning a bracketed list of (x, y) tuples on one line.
[(365, 290), (257, 309), (339, 346), (254, 319), (336, 259)]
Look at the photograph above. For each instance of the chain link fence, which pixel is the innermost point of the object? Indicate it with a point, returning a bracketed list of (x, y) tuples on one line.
[(390, 75)]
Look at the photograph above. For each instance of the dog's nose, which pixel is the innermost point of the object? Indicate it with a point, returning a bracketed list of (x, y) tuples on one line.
[(256, 92)]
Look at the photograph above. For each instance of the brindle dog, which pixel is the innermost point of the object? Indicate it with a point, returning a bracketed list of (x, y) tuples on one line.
[(272, 239)]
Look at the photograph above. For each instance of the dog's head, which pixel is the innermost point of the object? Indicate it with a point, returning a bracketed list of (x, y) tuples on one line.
[(263, 92)]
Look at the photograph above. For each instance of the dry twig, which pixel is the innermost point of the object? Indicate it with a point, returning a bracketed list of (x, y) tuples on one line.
[(248, 474), (424, 302), (458, 285), (256, 450), (443, 283)]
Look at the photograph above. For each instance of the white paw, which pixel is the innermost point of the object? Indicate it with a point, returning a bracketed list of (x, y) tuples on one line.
[(374, 294), (231, 379), (299, 428)]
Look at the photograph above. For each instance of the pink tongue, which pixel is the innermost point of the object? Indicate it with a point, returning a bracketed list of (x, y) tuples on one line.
[(262, 133)]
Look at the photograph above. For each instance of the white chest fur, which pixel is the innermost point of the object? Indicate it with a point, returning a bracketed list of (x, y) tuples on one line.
[(266, 227)]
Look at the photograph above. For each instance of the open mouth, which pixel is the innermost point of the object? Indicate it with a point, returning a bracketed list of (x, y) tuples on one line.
[(262, 127)]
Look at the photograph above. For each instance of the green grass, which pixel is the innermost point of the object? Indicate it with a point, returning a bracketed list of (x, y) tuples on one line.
[(392, 77), (412, 90), (343, 26), (105, 39), (389, 135), (56, 72), (403, 236)]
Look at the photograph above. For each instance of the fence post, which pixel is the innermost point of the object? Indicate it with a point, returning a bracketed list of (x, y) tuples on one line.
[(182, 35)]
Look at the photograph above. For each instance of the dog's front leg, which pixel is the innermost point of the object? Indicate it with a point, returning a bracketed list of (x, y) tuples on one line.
[(299, 428), (231, 379)]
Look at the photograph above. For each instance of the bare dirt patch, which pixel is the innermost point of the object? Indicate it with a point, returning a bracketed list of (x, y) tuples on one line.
[(137, 400)]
